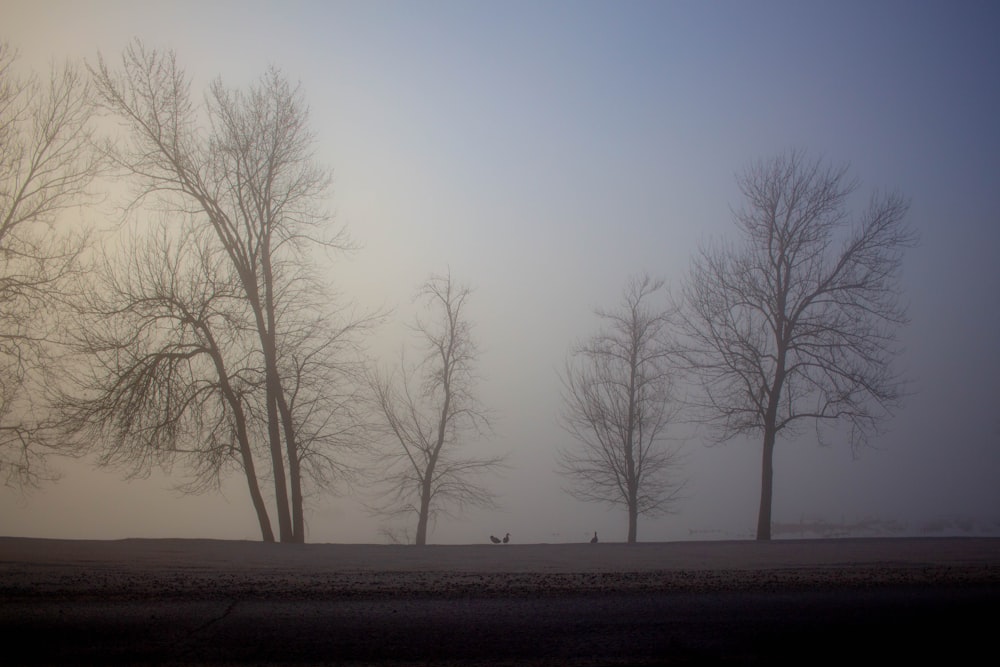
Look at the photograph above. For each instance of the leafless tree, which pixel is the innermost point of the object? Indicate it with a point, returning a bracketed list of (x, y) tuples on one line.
[(170, 373), (46, 168), (428, 412), (796, 323), (320, 354), (618, 403), (252, 180)]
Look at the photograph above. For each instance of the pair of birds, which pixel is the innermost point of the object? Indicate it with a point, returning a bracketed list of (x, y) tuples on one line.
[(506, 538)]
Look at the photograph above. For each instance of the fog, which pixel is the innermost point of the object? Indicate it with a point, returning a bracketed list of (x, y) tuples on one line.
[(546, 151)]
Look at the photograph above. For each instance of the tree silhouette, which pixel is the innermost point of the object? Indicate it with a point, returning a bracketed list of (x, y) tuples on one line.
[(427, 413), (618, 403), (242, 167), (796, 323)]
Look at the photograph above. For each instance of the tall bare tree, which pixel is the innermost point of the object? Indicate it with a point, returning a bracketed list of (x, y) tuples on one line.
[(428, 412), (46, 168), (796, 324), (618, 403), (250, 177)]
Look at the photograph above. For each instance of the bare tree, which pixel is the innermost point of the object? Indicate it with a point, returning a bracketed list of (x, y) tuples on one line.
[(251, 179), (428, 412), (170, 373), (320, 355), (46, 168), (618, 403), (796, 324)]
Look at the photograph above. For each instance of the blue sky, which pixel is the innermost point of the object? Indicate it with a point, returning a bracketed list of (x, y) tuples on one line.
[(545, 151)]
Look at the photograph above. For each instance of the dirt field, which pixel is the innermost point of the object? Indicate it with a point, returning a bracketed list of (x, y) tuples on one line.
[(731, 602)]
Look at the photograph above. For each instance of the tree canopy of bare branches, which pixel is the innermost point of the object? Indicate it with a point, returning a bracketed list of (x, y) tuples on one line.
[(170, 374), (796, 323), (618, 403), (46, 168), (241, 170), (426, 413)]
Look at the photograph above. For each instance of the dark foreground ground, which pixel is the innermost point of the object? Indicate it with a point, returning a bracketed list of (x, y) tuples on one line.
[(180, 602)]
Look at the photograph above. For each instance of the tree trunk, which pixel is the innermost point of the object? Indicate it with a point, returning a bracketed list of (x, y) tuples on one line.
[(771, 426), (427, 490), (267, 534), (427, 486), (425, 507), (242, 437), (291, 444), (277, 454), (766, 486), (632, 479), (633, 521), (272, 384)]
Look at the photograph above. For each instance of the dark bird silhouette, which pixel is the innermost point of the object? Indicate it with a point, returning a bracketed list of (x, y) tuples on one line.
[(494, 539), (506, 538), (593, 540)]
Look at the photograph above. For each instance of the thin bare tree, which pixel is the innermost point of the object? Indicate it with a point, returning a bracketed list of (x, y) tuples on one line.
[(796, 323), (46, 169), (427, 413), (245, 169), (618, 402), (321, 356)]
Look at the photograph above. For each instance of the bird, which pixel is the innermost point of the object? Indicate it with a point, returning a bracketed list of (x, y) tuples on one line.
[(593, 540), (494, 539), (506, 538)]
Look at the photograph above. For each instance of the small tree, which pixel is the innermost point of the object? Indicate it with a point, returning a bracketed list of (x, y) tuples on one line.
[(426, 413), (796, 324), (46, 168), (617, 406)]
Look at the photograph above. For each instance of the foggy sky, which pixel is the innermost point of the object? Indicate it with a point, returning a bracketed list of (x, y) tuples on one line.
[(545, 151)]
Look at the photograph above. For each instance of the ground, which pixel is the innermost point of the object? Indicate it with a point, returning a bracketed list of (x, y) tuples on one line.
[(173, 602)]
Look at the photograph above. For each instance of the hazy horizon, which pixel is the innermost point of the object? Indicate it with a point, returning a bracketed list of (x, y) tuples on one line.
[(546, 151)]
